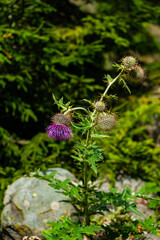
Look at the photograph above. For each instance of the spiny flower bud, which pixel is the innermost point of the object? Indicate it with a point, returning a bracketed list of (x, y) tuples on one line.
[(128, 62), (61, 119), (136, 74), (99, 106), (106, 122)]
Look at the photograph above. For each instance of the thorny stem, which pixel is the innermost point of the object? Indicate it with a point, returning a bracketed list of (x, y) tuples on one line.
[(86, 185), (108, 87), (85, 170), (110, 84)]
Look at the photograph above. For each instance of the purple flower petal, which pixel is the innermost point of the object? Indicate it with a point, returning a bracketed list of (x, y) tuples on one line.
[(59, 132)]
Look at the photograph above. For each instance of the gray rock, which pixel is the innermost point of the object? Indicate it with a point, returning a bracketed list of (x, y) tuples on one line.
[(31, 238), (134, 184), (30, 203), (150, 237), (121, 182)]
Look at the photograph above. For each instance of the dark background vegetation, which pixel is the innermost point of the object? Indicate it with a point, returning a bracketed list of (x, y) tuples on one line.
[(65, 47)]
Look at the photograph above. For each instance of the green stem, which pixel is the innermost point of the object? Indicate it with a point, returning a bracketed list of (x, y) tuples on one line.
[(86, 185), (76, 108), (85, 180), (108, 87), (110, 84)]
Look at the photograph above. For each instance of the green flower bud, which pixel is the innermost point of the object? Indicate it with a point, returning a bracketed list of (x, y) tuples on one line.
[(99, 106), (106, 122), (61, 119), (129, 62)]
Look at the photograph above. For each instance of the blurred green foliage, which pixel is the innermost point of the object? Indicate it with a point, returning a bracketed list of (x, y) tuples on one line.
[(51, 46), (132, 149)]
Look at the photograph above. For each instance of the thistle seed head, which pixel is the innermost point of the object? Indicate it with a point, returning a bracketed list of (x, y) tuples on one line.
[(61, 119), (129, 62), (99, 106), (106, 122)]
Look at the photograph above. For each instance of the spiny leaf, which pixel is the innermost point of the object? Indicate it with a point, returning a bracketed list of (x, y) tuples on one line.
[(60, 103), (134, 210), (85, 125), (92, 161), (78, 126), (117, 66), (108, 78), (111, 96), (125, 85), (77, 158)]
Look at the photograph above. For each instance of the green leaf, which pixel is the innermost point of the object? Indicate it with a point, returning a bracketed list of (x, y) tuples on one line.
[(99, 136), (77, 158), (66, 229), (60, 103), (109, 78), (117, 66), (134, 210), (93, 154), (58, 184), (78, 126), (49, 236), (110, 96), (125, 85), (84, 125), (91, 230), (92, 162), (124, 193)]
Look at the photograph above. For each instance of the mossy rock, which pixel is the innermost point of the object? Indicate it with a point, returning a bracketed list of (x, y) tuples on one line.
[(30, 203)]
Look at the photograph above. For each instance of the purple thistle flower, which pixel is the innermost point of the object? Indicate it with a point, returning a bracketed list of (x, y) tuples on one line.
[(59, 132)]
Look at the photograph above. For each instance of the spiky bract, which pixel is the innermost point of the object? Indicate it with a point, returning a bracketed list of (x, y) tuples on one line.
[(61, 119)]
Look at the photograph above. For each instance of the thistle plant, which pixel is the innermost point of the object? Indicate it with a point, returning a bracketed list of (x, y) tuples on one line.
[(95, 122)]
